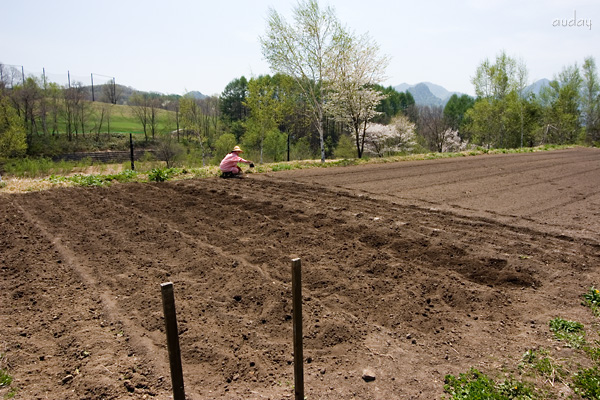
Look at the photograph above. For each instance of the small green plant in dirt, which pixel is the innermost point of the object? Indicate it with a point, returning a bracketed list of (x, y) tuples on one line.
[(95, 180), (127, 175), (593, 352), (163, 174), (571, 332), (592, 299), (80, 180), (476, 385), (281, 167), (5, 378), (586, 383), (539, 361)]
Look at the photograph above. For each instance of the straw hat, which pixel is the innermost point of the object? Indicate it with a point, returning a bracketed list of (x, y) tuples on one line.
[(237, 149)]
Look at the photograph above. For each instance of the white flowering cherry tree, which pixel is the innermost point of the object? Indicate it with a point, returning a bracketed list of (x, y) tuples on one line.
[(398, 136)]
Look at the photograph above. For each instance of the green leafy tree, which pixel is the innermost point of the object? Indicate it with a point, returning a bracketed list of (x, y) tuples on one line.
[(232, 104), (192, 120), (293, 121), (13, 137), (561, 107), (301, 149), (303, 50), (265, 112), (274, 145), (223, 145), (491, 119), (392, 104), (455, 110), (591, 100), (345, 147)]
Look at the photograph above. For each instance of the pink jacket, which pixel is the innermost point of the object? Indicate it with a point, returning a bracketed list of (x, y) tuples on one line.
[(230, 161)]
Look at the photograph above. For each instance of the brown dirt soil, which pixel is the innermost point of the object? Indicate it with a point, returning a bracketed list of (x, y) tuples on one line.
[(412, 270)]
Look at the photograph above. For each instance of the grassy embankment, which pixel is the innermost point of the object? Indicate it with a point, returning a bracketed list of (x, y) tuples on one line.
[(43, 175)]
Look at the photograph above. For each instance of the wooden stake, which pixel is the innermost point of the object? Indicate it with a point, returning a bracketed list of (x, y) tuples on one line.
[(168, 299), (297, 320), (131, 156)]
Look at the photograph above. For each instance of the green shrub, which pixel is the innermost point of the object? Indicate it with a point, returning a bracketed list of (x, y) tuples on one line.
[(163, 174), (346, 148), (127, 175), (158, 175), (89, 180), (281, 167)]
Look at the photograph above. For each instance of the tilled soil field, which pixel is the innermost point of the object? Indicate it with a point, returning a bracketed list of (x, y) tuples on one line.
[(411, 270)]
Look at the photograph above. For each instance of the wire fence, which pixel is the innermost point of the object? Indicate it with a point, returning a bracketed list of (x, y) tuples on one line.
[(13, 75), (97, 86)]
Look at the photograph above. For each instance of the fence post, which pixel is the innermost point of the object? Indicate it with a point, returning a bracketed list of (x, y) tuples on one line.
[(131, 151), (168, 299), (297, 320)]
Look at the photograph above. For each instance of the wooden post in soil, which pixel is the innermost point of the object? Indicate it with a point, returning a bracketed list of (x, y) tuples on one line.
[(131, 151), (168, 299), (297, 320)]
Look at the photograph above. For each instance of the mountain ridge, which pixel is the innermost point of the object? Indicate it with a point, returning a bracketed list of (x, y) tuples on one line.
[(431, 94), (427, 93)]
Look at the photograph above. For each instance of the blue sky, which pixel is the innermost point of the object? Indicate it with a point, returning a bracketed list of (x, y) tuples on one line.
[(177, 46)]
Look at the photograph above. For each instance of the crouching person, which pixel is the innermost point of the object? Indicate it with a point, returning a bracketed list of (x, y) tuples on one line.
[(229, 165)]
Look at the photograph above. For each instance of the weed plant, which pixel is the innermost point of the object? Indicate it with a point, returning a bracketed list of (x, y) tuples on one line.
[(534, 364), (586, 383), (571, 332), (540, 362), (476, 385), (163, 174), (95, 180), (5, 378), (592, 299)]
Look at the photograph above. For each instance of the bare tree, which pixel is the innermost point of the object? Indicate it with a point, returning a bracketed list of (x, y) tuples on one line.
[(141, 109), (112, 92), (432, 126), (169, 150), (73, 96)]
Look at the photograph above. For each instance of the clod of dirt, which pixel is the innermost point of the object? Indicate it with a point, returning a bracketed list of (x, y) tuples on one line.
[(368, 375)]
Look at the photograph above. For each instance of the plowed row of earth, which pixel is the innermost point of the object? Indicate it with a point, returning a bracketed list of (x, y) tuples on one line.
[(411, 270)]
